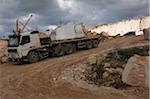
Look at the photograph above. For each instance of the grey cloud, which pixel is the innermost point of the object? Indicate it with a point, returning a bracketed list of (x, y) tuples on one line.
[(90, 12)]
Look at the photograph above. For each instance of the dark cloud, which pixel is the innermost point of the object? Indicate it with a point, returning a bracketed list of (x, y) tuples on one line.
[(47, 12)]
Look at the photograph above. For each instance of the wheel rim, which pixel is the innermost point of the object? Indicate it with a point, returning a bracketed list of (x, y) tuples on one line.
[(89, 45), (69, 49), (59, 51), (34, 57), (95, 44)]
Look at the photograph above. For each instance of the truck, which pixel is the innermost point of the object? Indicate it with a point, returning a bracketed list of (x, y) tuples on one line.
[(35, 45), (32, 47)]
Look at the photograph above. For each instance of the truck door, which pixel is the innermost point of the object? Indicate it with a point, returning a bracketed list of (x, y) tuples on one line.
[(25, 45)]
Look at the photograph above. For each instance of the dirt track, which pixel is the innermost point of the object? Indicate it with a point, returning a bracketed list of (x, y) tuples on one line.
[(39, 80)]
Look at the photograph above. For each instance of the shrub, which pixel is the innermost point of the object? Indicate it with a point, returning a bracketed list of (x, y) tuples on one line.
[(100, 71)]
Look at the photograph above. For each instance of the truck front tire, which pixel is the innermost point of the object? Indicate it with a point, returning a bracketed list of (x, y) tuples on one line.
[(33, 57)]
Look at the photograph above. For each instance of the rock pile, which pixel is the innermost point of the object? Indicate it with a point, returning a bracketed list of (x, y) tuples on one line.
[(112, 70), (109, 70), (100, 72), (3, 51), (74, 73), (112, 76)]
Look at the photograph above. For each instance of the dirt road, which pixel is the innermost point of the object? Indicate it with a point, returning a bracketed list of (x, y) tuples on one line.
[(39, 80)]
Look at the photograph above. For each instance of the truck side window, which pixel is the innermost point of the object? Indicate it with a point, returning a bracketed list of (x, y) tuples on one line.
[(25, 39)]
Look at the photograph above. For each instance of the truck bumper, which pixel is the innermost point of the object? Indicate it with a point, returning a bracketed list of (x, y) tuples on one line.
[(17, 59), (14, 60)]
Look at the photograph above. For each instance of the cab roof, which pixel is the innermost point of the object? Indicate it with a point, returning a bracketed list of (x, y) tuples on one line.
[(27, 33)]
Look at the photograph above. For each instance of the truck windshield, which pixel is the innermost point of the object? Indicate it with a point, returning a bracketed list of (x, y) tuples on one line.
[(14, 41)]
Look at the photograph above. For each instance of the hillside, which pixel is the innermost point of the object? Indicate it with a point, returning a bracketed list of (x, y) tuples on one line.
[(42, 80)]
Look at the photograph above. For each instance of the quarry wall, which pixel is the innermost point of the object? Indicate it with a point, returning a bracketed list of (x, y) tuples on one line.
[(123, 27)]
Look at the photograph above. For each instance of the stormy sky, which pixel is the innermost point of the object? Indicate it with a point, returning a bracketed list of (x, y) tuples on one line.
[(48, 13)]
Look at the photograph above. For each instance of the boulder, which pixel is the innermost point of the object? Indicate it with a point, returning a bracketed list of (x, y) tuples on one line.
[(109, 70), (3, 55), (4, 59), (119, 71), (92, 59), (114, 71), (100, 59), (146, 33), (106, 75), (107, 65), (136, 72), (94, 75), (89, 70)]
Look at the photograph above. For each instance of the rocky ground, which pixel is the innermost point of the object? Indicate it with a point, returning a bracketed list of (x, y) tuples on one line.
[(63, 77), (109, 70)]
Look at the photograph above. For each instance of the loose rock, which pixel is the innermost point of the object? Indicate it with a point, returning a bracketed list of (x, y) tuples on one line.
[(119, 71), (107, 65), (92, 60), (136, 71), (106, 75)]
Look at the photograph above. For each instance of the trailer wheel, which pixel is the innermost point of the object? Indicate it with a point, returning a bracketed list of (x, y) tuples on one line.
[(69, 48), (33, 57), (88, 44), (95, 43), (59, 50)]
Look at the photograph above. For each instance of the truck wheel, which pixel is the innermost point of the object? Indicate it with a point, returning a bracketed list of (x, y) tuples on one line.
[(88, 44), (69, 48), (59, 50), (33, 57), (95, 43)]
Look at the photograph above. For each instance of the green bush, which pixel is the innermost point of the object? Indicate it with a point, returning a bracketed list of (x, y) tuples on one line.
[(125, 54), (100, 71)]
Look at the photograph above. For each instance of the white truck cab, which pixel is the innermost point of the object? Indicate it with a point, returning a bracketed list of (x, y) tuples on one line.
[(19, 46)]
